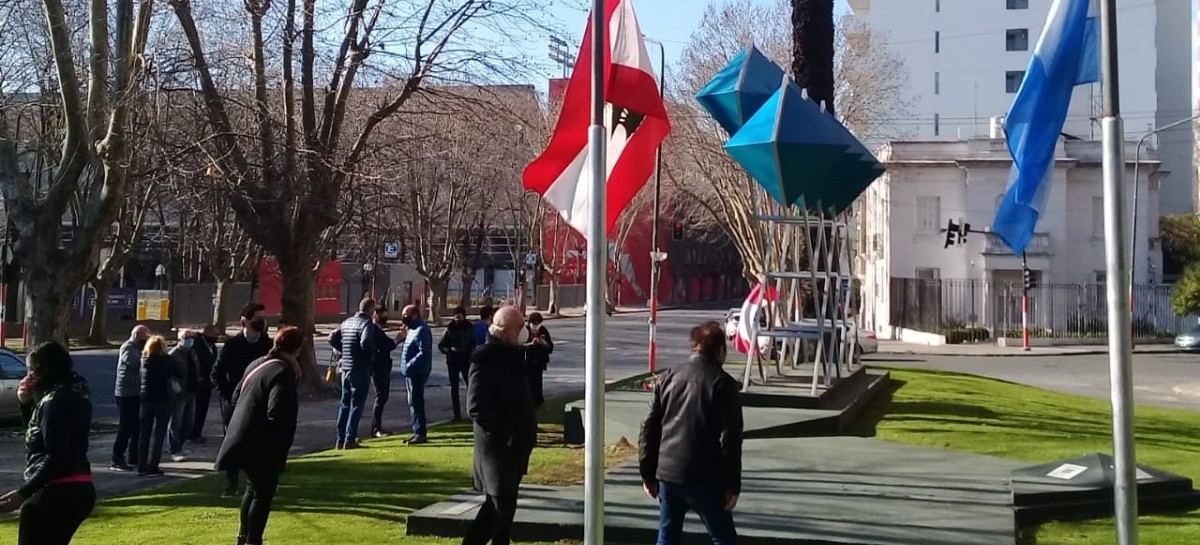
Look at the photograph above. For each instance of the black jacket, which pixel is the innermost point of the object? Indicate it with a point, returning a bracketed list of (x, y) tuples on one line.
[(263, 425), (384, 346), (56, 439), (206, 358), (157, 372), (187, 365), (237, 354), (458, 342), (539, 356), (499, 402), (693, 434)]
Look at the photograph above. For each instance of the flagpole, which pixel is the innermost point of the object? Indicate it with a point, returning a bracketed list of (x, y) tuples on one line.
[(1120, 350), (597, 263)]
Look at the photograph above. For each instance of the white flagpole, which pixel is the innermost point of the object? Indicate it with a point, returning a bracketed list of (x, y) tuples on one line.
[(1120, 349), (597, 263)]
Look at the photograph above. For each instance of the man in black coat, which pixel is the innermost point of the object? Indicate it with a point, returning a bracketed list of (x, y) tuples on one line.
[(206, 351), (690, 449), (457, 344), (381, 373), (250, 344), (499, 403)]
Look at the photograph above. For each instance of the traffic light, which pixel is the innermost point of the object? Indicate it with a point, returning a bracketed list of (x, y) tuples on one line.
[(677, 231), (1027, 276), (956, 234)]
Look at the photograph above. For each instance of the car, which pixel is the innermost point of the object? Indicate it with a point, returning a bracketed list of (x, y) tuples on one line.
[(1188, 341), (12, 370)]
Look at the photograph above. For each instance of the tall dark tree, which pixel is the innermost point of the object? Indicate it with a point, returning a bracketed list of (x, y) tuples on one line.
[(812, 48)]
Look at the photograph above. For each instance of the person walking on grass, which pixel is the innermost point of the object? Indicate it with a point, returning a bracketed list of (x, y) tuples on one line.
[(416, 365), (381, 372), (158, 383), (250, 344), (457, 344), (127, 392), (261, 430), (206, 356), (358, 340), (57, 495), (505, 427), (186, 362), (690, 448)]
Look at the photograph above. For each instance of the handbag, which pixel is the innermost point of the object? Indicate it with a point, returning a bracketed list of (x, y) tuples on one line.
[(331, 370)]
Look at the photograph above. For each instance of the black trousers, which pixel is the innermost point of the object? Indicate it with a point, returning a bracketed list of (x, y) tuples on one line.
[(494, 521), (231, 475), (381, 379), (125, 447), (155, 417), (256, 504), (533, 373), (203, 398), (52, 514), (458, 371)]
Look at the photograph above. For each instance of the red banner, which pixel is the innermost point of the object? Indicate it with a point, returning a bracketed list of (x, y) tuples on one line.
[(327, 299)]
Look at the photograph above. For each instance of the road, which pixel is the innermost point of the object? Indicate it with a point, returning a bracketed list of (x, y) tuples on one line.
[(1164, 380), (626, 341)]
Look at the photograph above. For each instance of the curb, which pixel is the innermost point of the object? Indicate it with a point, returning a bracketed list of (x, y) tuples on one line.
[(1022, 354)]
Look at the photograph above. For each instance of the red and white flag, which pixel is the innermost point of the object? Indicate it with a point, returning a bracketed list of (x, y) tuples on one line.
[(635, 120)]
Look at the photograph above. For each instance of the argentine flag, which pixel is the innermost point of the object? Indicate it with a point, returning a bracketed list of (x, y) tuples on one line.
[(1067, 54)]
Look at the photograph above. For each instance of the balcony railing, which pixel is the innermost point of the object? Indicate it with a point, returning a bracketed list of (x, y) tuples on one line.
[(1038, 245)]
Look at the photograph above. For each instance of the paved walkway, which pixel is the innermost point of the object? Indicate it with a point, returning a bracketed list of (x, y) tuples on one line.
[(991, 350)]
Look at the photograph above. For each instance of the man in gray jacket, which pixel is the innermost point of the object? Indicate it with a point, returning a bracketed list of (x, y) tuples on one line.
[(128, 388)]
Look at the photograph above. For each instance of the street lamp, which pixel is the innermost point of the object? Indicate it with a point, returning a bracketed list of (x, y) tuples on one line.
[(656, 256), (368, 279)]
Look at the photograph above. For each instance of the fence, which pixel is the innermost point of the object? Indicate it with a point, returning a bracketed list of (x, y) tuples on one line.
[(1056, 310)]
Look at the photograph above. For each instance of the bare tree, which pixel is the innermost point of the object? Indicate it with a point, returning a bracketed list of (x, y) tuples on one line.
[(123, 241), (85, 183)]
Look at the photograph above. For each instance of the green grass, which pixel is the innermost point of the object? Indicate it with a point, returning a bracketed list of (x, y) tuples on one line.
[(986, 416), (348, 497)]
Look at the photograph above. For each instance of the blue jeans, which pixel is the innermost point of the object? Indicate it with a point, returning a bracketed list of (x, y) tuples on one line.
[(416, 403), (355, 385), (675, 500), (183, 415)]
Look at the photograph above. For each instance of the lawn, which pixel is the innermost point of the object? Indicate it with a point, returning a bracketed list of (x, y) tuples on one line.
[(331, 498), (986, 416)]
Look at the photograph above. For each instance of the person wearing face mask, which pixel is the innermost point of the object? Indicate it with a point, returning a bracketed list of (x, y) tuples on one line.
[(690, 448), (183, 403), (416, 365), (249, 345), (458, 342), (127, 392), (381, 372), (505, 426), (206, 355)]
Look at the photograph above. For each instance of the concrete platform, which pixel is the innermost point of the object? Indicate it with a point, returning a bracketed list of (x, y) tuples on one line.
[(835, 490)]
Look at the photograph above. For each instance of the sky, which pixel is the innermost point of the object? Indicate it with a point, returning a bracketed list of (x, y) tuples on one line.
[(663, 20)]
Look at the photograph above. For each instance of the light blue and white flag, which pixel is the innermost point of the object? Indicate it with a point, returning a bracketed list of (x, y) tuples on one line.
[(1067, 54)]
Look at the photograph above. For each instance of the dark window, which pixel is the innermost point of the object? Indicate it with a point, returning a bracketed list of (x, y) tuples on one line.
[(1016, 39), (937, 126), (11, 368), (937, 41), (1018, 4), (1012, 80), (937, 83), (937, 5)]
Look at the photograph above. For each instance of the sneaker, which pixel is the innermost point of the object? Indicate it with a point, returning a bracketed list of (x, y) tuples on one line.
[(352, 445), (417, 440), (229, 492), (120, 467), (380, 433), (178, 458)]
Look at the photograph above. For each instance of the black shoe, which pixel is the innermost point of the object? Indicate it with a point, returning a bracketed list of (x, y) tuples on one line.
[(149, 472), (241, 540), (231, 492), (120, 467), (417, 440), (198, 440), (352, 445)]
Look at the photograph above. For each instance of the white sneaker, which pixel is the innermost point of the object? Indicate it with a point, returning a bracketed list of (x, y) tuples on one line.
[(178, 457)]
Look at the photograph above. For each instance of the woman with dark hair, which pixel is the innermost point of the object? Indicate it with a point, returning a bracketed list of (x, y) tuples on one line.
[(537, 358), (261, 430), (158, 380), (58, 494)]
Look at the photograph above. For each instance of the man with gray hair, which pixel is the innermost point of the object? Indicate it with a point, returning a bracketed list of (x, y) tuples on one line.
[(128, 389)]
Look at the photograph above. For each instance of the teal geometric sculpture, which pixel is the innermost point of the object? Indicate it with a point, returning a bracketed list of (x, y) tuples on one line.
[(737, 92)]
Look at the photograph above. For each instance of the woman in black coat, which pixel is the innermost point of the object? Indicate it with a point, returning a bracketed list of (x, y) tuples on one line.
[(261, 430), (158, 369), (58, 494), (499, 403)]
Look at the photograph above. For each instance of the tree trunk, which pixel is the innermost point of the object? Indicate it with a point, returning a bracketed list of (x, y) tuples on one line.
[(97, 333), (552, 305), (436, 297), (813, 48), (220, 299), (298, 310), (49, 302)]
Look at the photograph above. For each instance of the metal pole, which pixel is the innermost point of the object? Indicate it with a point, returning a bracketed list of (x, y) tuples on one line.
[(655, 262), (1024, 304), (597, 263), (1120, 351)]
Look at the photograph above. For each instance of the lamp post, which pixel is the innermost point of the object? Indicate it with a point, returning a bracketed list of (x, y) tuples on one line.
[(656, 255), (368, 279)]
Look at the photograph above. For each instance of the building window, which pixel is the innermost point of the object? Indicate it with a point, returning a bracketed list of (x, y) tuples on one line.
[(937, 6), (1016, 39), (1018, 4), (929, 214), (925, 273), (937, 125), (937, 83), (1012, 80), (1097, 217), (937, 41), (1100, 277)]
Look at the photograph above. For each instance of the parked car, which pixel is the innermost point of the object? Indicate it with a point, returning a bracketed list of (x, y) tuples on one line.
[(1188, 341), (12, 370), (868, 342)]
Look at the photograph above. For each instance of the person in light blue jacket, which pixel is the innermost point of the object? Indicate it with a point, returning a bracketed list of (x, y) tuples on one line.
[(416, 363)]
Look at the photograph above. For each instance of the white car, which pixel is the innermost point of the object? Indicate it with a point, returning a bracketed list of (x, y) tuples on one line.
[(868, 342), (12, 370)]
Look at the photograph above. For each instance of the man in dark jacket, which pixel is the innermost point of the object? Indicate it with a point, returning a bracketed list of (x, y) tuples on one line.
[(381, 372), (690, 450), (457, 344), (127, 392), (416, 365), (206, 354), (499, 403), (250, 344), (357, 339), (183, 404)]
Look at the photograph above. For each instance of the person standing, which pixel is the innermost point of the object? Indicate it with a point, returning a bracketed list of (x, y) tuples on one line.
[(538, 357), (381, 372), (481, 327), (129, 365), (156, 394), (206, 355), (356, 339), (186, 363), (57, 495), (690, 448), (505, 427), (250, 344), (416, 365), (261, 430), (457, 344)]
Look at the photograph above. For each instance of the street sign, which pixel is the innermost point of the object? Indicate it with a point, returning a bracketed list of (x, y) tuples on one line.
[(391, 250), (531, 259)]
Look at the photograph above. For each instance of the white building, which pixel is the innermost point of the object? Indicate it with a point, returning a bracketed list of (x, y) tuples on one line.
[(905, 215), (966, 59)]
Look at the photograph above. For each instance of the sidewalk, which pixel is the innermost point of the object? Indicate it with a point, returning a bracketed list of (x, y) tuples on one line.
[(991, 350)]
